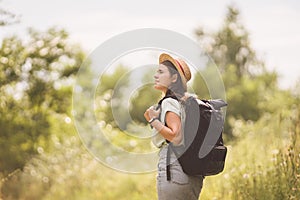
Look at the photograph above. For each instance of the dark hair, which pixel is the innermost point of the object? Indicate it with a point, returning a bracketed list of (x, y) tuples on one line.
[(176, 89)]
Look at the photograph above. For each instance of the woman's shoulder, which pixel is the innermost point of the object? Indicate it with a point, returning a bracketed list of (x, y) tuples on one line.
[(170, 102)]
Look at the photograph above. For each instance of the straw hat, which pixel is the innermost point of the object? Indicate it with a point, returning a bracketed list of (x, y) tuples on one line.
[(180, 65)]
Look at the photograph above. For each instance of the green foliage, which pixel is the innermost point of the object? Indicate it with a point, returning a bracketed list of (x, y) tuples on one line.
[(35, 82), (230, 45), (109, 97), (112, 95), (208, 83), (69, 172), (144, 97), (264, 162), (135, 139), (41, 153), (245, 78)]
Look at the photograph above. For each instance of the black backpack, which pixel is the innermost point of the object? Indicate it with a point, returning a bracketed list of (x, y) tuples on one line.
[(203, 152)]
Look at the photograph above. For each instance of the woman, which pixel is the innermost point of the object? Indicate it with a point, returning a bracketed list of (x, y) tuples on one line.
[(171, 78)]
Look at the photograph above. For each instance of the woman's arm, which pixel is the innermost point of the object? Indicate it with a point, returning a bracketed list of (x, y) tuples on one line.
[(171, 132)]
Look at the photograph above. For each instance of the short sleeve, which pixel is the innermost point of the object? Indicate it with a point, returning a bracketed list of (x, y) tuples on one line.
[(170, 105)]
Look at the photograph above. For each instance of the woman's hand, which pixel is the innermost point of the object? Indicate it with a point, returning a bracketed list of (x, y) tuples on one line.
[(172, 132), (151, 113)]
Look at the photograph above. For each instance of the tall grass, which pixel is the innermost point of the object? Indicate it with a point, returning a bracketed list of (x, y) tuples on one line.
[(70, 172), (262, 163)]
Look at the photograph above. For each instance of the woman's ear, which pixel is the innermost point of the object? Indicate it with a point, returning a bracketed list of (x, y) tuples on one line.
[(174, 78)]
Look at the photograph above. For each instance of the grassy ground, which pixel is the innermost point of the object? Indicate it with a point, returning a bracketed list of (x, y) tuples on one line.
[(262, 163)]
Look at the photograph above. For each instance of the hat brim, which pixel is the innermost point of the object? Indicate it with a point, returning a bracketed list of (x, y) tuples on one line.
[(166, 57)]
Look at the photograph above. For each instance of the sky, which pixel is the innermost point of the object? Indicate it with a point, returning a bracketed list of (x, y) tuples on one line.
[(273, 25)]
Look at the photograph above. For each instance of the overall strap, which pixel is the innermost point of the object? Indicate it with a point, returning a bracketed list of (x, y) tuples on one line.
[(168, 158), (168, 163)]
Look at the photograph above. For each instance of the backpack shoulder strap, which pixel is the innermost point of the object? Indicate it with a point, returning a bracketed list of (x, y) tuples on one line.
[(165, 97), (168, 158)]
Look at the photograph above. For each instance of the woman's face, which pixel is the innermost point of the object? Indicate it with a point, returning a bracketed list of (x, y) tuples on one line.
[(163, 78)]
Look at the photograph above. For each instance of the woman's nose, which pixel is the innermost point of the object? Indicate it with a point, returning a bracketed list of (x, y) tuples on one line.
[(155, 76)]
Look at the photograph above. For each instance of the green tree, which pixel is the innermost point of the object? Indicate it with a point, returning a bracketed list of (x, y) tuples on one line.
[(245, 76), (109, 96), (231, 45), (145, 97), (35, 83)]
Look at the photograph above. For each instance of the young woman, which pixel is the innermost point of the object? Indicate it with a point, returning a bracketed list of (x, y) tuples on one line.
[(171, 78)]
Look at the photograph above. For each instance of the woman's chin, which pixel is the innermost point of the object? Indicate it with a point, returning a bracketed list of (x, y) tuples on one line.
[(159, 87)]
